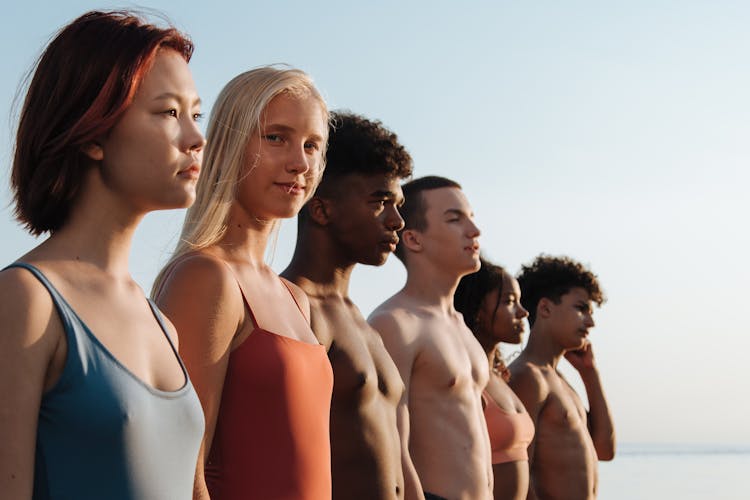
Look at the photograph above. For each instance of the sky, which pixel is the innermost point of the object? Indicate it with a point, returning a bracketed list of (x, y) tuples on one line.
[(616, 134)]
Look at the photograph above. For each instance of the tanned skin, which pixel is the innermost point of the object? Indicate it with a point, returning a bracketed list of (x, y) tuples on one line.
[(358, 224), (569, 440), (441, 363)]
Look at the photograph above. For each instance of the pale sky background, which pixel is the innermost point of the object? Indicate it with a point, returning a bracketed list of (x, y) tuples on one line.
[(615, 134)]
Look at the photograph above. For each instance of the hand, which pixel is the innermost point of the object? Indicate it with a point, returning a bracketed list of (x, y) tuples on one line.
[(582, 359)]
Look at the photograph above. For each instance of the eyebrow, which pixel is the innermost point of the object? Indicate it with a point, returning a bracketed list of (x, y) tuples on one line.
[(456, 211), (171, 95), (383, 193), (286, 128)]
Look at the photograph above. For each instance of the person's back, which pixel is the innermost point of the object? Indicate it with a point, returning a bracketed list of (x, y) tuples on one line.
[(360, 192), (443, 366), (569, 440)]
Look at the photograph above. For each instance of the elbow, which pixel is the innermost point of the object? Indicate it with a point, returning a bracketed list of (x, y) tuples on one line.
[(605, 451)]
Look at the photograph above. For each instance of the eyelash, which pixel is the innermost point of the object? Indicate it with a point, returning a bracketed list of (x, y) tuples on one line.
[(197, 117)]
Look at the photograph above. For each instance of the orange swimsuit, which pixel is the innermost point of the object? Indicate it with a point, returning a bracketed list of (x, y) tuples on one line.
[(510, 433), (272, 437)]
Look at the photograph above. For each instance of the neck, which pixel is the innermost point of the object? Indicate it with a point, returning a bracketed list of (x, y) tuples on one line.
[(246, 237), (431, 287), (100, 238), (318, 267), (541, 349)]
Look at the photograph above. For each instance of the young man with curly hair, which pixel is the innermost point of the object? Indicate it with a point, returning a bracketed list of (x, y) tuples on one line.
[(559, 294), (353, 218), (443, 366)]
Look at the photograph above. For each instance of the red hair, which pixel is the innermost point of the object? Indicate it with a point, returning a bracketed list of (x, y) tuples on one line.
[(83, 83)]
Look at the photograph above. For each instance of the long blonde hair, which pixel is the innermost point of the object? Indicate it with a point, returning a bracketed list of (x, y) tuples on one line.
[(235, 116)]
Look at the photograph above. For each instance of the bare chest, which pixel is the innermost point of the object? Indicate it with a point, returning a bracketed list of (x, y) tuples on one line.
[(362, 368), (564, 411), (451, 359)]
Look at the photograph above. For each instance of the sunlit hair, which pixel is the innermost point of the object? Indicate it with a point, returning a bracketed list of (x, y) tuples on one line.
[(474, 288), (235, 117), (414, 209), (82, 84), (552, 277)]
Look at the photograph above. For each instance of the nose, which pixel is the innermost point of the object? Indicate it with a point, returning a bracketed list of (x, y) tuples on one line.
[(393, 221), (521, 312), (473, 230), (299, 161), (589, 321), (193, 139)]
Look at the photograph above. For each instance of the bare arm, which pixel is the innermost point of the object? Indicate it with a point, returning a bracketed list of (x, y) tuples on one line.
[(600, 423), (393, 337), (202, 299), (29, 338), (531, 388)]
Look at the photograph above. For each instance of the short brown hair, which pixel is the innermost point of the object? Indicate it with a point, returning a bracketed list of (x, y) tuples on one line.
[(83, 83), (414, 208)]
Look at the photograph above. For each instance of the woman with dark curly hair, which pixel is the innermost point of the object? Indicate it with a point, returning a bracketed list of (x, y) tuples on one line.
[(490, 301), (95, 400)]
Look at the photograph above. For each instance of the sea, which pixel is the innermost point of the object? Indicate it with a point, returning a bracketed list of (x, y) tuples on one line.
[(679, 472)]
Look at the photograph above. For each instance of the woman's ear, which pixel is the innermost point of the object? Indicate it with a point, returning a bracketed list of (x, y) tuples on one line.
[(93, 150)]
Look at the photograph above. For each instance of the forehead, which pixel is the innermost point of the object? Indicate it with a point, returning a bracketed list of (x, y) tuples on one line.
[(302, 113), (366, 185), (510, 285), (577, 294), (169, 74), (439, 201)]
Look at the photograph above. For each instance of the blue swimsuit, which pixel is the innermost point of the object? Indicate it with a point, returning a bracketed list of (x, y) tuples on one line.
[(105, 434)]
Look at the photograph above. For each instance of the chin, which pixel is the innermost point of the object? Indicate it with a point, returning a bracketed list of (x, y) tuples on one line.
[(375, 260)]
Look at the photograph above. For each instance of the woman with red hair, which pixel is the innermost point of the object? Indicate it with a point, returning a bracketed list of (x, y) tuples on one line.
[(96, 402)]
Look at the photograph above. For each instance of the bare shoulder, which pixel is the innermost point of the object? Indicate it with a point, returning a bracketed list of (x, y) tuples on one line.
[(25, 307), (29, 319), (394, 322), (200, 291), (528, 380), (299, 296), (198, 276)]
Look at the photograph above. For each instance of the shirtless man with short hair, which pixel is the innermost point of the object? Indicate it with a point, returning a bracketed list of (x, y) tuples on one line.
[(443, 366), (558, 293), (353, 218)]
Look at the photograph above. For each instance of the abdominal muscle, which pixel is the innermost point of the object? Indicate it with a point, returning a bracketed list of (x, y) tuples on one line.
[(451, 452)]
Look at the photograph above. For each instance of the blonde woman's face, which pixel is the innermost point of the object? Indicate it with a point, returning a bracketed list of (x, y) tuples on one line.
[(283, 160)]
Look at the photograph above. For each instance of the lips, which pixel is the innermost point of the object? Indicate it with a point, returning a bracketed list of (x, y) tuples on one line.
[(474, 249), (390, 243), (291, 188), (192, 172)]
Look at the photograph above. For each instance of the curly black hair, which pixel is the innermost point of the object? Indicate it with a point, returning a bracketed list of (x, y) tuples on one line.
[(473, 288), (552, 277), (357, 145)]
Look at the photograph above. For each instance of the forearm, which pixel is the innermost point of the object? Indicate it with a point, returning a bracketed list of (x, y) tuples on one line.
[(412, 485), (600, 423)]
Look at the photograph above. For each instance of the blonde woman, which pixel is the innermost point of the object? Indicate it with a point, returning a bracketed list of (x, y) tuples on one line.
[(262, 377)]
